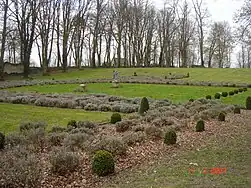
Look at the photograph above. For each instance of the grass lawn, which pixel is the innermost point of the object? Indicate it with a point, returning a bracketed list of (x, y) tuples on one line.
[(231, 152), (198, 74), (174, 93), (13, 114)]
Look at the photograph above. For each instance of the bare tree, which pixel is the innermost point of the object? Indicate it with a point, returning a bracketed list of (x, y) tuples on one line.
[(201, 16), (224, 44), (4, 35), (45, 29), (25, 15), (167, 27), (96, 24), (80, 25), (186, 30)]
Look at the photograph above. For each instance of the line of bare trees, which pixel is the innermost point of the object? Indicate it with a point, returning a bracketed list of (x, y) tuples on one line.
[(121, 33)]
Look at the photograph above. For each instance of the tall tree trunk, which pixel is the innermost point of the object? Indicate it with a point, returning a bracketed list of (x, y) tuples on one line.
[(4, 33)]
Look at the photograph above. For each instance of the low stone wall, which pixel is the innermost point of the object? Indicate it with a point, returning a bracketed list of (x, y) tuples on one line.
[(10, 68)]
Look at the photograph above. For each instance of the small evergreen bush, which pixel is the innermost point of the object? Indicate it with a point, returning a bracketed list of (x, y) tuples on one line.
[(103, 163), (237, 110), (248, 103), (170, 137), (240, 90), (72, 123), (200, 126), (221, 116), (217, 95), (245, 89), (191, 100), (208, 97), (231, 93), (63, 162), (2, 141), (116, 117), (144, 106), (224, 94), (135, 74), (236, 91)]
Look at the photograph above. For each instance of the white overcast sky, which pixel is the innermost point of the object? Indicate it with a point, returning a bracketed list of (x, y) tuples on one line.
[(220, 10)]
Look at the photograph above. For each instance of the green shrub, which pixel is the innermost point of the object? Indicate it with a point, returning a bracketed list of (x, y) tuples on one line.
[(135, 74), (154, 132), (103, 163), (114, 145), (116, 117), (208, 97), (56, 138), (122, 126), (221, 116), (224, 94), (36, 138), (20, 168), (217, 95), (237, 110), (2, 141), (240, 90), (138, 128), (86, 124), (26, 126), (58, 129), (170, 137), (15, 139), (191, 100), (72, 123), (63, 162), (231, 93), (248, 103), (144, 106), (236, 91), (245, 89), (131, 138), (200, 126), (76, 141)]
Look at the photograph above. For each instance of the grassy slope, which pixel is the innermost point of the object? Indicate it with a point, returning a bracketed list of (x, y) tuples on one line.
[(13, 114), (231, 152), (199, 74), (174, 93)]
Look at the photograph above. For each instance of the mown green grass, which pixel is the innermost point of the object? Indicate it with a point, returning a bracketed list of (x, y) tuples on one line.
[(232, 153), (197, 74), (13, 114), (171, 92)]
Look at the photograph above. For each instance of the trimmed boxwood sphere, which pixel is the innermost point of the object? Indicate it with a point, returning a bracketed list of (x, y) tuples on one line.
[(170, 137), (208, 97), (103, 163), (116, 117), (231, 93), (224, 94), (217, 95)]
